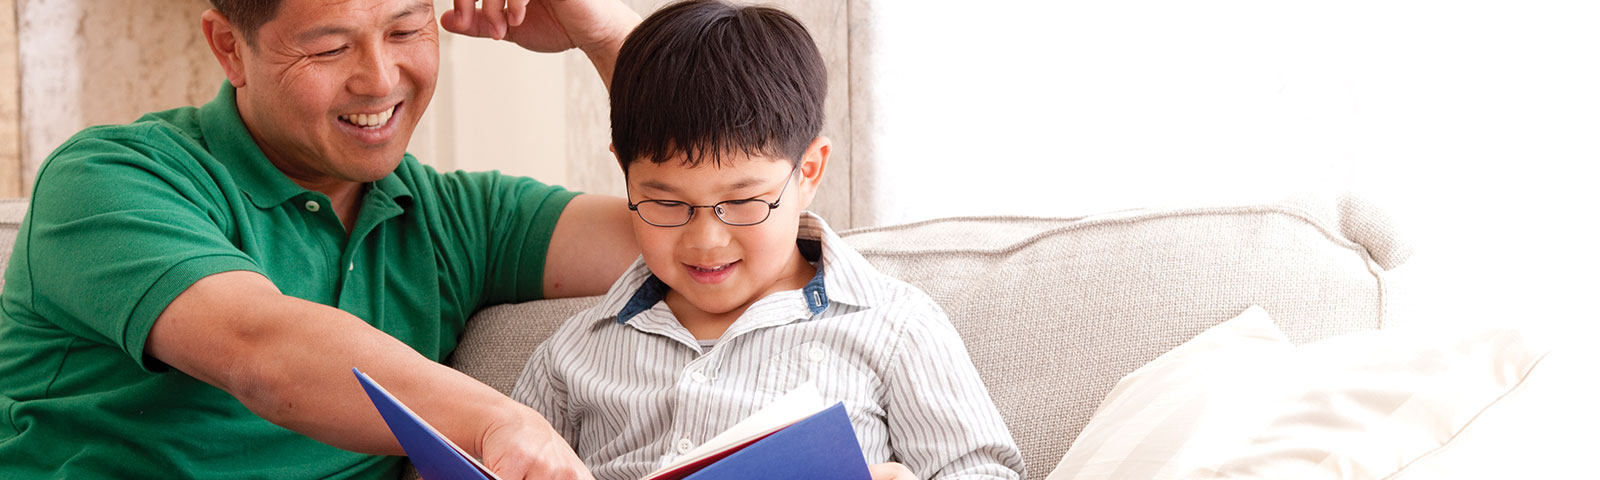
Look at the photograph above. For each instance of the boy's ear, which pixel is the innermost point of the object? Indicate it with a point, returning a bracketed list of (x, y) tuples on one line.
[(812, 164), (613, 148), (227, 44)]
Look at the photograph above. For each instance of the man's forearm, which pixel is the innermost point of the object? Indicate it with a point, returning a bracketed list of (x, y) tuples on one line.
[(289, 360), (603, 54)]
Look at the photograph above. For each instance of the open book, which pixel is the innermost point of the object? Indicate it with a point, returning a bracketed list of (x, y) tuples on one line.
[(796, 437)]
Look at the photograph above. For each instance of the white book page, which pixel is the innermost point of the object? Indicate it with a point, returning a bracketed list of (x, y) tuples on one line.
[(804, 401)]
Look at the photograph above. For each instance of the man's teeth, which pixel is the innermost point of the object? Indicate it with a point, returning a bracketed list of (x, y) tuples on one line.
[(365, 120)]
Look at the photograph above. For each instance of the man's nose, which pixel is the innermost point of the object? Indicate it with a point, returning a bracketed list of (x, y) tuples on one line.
[(377, 75)]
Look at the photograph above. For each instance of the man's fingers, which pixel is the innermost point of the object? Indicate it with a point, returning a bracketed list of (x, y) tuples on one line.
[(459, 19), (516, 11), (475, 29), (494, 11)]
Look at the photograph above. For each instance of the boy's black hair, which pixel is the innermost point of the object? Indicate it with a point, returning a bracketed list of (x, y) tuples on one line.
[(705, 78)]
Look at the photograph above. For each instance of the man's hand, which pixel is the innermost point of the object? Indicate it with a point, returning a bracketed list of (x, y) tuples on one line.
[(525, 447), (597, 27), (891, 471), (548, 26)]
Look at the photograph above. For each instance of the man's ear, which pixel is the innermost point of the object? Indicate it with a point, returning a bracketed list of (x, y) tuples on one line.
[(812, 164), (227, 44)]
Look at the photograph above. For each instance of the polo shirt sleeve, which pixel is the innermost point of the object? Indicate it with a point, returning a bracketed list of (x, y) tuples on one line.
[(518, 218), (116, 229)]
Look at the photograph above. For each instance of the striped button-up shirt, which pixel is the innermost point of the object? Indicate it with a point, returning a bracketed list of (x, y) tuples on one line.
[(631, 389)]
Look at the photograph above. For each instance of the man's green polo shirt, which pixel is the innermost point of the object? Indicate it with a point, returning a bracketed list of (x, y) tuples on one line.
[(124, 218)]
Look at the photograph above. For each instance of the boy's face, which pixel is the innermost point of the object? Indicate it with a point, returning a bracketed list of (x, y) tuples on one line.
[(720, 268)]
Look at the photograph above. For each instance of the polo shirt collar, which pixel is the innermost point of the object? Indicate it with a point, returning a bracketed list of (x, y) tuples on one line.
[(230, 142)]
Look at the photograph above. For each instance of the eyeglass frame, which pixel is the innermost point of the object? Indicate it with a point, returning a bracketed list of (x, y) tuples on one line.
[(716, 208)]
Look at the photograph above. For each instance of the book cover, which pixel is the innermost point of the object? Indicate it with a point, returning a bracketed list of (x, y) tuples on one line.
[(434, 456), (789, 439), (797, 436)]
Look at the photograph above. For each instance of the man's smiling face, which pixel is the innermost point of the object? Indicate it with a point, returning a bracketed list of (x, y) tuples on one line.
[(332, 90)]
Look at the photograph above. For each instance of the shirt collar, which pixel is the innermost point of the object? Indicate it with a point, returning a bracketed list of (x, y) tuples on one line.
[(230, 142), (841, 276)]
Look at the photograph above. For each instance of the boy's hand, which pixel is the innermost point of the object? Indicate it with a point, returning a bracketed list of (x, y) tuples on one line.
[(891, 471), (548, 26), (525, 447)]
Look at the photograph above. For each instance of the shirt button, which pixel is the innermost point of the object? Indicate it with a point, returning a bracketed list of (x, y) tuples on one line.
[(698, 376), (684, 446), (818, 354), (313, 206)]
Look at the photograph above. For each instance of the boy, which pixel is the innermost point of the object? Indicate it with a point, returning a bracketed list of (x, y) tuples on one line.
[(740, 295)]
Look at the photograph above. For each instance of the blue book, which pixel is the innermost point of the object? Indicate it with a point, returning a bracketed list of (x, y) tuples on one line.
[(434, 456), (787, 440)]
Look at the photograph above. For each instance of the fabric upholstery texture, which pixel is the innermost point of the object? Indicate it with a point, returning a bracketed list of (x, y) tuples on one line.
[(1055, 310)]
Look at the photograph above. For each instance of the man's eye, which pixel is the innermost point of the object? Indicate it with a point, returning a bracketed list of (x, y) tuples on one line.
[(331, 53), (404, 34)]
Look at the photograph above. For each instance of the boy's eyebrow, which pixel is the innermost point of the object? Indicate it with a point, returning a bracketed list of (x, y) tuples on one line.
[(419, 7), (741, 184), (658, 186)]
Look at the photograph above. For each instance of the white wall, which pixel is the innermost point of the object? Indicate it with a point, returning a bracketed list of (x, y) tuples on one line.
[(1475, 123), (497, 107)]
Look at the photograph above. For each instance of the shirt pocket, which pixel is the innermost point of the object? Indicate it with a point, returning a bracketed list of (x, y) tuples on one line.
[(838, 375)]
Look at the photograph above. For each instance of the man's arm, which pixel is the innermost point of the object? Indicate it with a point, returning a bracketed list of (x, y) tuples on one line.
[(591, 246), (288, 360)]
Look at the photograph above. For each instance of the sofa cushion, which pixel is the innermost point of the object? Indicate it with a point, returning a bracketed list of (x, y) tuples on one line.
[(1055, 310), (1238, 401)]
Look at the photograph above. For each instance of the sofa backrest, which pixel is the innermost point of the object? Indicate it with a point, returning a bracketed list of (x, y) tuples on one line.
[(1055, 310)]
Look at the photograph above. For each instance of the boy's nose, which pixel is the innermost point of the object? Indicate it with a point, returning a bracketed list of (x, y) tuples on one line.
[(705, 231)]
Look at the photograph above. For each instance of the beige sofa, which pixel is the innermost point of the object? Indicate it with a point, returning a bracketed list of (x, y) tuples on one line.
[(1055, 310)]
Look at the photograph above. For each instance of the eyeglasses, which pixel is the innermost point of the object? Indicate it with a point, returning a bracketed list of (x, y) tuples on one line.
[(738, 213)]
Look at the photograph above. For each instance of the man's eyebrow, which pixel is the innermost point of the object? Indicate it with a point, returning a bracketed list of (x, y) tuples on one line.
[(415, 8), (323, 31), (326, 30)]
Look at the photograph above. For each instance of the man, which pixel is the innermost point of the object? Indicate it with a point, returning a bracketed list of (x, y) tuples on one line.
[(189, 292)]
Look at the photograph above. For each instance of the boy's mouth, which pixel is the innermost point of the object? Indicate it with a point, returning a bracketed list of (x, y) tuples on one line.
[(717, 268), (710, 274)]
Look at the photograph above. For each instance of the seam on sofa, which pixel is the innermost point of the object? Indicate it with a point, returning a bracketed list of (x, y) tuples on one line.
[(1118, 218), (1080, 223)]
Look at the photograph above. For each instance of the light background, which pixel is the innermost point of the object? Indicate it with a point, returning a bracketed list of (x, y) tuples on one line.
[(1475, 123)]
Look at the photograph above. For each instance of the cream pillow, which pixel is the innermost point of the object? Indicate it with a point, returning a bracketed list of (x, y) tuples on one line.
[(1239, 401)]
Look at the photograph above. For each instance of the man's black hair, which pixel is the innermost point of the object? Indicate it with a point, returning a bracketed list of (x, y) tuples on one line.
[(247, 15)]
